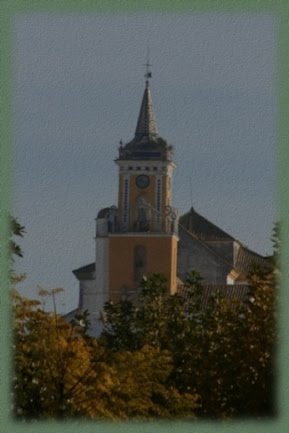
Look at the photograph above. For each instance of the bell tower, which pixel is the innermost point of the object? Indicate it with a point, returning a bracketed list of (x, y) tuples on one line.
[(144, 237)]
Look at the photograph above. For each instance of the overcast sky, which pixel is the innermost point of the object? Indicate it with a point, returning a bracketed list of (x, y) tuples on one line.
[(77, 88)]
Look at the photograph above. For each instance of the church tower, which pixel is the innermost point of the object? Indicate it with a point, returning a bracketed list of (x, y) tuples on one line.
[(139, 236), (143, 235)]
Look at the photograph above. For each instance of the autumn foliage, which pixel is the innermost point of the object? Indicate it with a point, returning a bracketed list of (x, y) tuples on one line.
[(61, 372), (158, 357)]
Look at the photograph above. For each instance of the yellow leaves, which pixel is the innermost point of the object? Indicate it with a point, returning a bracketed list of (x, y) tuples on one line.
[(57, 370), (17, 278), (66, 373), (49, 292), (139, 387)]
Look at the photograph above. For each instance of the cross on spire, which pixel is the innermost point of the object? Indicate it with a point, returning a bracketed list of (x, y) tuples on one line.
[(148, 73), (146, 124)]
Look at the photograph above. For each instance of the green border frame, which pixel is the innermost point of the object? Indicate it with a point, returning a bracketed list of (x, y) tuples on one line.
[(8, 8)]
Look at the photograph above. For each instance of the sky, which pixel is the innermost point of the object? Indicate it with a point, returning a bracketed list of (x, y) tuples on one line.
[(77, 85)]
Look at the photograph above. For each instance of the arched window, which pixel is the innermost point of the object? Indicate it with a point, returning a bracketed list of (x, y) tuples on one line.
[(139, 262)]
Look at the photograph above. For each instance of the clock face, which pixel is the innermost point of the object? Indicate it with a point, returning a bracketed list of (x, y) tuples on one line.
[(142, 181)]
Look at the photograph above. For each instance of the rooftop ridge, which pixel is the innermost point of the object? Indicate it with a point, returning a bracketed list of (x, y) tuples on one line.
[(207, 230)]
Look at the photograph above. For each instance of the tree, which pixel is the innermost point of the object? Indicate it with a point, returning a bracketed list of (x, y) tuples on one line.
[(16, 229), (57, 372), (276, 244), (220, 352), (227, 357), (60, 372), (260, 340), (140, 386), (121, 329)]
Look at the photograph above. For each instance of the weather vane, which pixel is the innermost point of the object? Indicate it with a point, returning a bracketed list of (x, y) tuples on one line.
[(148, 73)]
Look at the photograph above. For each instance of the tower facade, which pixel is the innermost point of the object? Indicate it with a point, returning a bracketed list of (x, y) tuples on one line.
[(139, 236), (143, 238)]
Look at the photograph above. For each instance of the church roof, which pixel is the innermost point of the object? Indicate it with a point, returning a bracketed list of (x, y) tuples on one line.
[(205, 232), (237, 292), (146, 124), (85, 272), (183, 230), (202, 228), (146, 144), (247, 259)]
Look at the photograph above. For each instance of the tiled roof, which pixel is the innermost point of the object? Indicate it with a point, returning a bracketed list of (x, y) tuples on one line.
[(205, 231), (231, 292), (247, 259), (85, 271), (202, 228), (202, 242)]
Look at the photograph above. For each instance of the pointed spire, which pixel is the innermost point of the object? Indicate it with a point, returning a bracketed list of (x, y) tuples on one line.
[(146, 124)]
